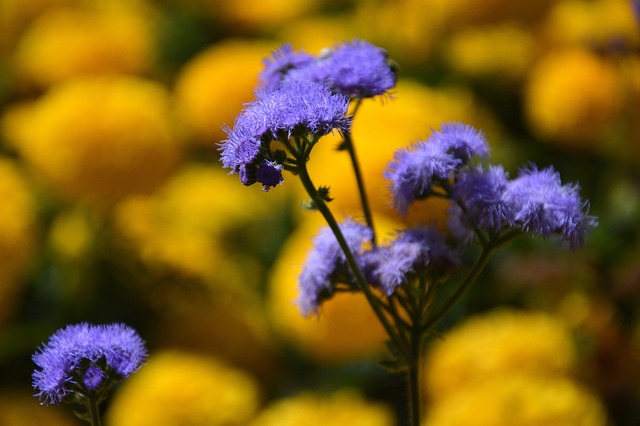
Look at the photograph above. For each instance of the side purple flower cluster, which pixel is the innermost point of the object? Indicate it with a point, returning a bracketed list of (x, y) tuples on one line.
[(485, 198), (301, 95), (385, 267), (84, 356), (536, 202)]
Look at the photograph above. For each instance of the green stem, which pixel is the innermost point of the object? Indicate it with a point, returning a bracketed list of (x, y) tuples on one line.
[(414, 376), (462, 290), (94, 414), (364, 201), (322, 207)]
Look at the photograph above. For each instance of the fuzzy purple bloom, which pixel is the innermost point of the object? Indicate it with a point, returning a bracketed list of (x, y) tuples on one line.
[(413, 171), (543, 206), (297, 109), (461, 140), (85, 356), (357, 69), (410, 253), (93, 377), (283, 60), (269, 174), (481, 192), (326, 263)]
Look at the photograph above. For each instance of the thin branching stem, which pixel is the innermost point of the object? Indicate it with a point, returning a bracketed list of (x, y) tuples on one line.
[(322, 207)]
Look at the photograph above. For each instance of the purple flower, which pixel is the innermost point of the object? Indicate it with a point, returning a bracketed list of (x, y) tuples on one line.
[(356, 69), (461, 140), (85, 357), (326, 263), (282, 61), (296, 109), (414, 171), (269, 174), (410, 253), (481, 192), (543, 206)]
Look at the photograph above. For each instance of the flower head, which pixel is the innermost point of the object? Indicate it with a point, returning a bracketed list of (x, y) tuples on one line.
[(326, 263), (415, 170), (358, 69), (278, 66), (481, 193), (296, 108), (410, 253), (84, 356), (543, 206)]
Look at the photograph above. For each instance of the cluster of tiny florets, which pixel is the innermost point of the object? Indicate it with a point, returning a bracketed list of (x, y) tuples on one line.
[(484, 198), (84, 357), (301, 95)]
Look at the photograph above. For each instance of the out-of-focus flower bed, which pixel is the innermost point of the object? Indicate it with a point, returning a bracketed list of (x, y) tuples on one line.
[(116, 208)]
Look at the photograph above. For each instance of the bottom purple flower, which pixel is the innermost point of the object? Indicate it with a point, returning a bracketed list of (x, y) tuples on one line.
[(85, 357)]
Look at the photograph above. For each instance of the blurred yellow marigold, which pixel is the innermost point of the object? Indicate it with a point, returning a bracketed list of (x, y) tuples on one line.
[(409, 30), (572, 96), (255, 14), (15, 16), (342, 408), (182, 226), (503, 51), (22, 409), (380, 128), (17, 233), (346, 327), (601, 23), (519, 399), (72, 233), (102, 37), (458, 13), (503, 342), (178, 388), (98, 138), (212, 87)]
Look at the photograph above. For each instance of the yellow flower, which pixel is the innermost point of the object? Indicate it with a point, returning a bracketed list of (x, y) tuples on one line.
[(71, 234), (178, 388), (17, 222), (502, 342), (16, 15), (503, 51), (252, 14), (342, 408), (212, 87), (603, 23), (183, 225), (504, 368), (572, 97), (380, 128), (316, 32), (519, 399), (98, 138), (22, 409), (346, 327), (458, 13), (102, 37)]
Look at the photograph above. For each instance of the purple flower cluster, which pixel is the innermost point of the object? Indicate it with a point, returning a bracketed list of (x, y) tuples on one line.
[(415, 170), (386, 267), (326, 263), (356, 69), (86, 357), (412, 252), (535, 202), (485, 198), (298, 109), (301, 95)]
